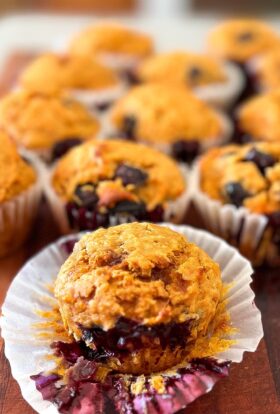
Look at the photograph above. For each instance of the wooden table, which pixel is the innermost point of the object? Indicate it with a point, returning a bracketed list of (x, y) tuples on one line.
[(253, 386)]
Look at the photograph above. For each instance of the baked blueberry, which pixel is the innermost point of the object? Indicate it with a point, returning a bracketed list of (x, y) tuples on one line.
[(235, 193), (131, 175), (85, 194), (260, 159)]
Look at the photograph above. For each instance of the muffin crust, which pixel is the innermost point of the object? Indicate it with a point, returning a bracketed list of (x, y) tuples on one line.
[(165, 114), (38, 121), (242, 39), (51, 73), (267, 70), (16, 175), (246, 176)]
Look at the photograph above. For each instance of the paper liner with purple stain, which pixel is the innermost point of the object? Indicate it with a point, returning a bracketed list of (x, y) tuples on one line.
[(83, 393)]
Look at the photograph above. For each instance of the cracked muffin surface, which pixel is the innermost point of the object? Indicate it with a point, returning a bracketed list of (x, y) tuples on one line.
[(242, 39), (260, 117), (157, 113), (140, 291), (51, 73), (38, 121), (17, 175), (246, 176), (111, 39), (116, 171), (189, 69)]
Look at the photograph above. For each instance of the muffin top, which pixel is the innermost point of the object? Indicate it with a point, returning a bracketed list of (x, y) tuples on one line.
[(189, 69), (111, 39), (260, 116), (241, 40), (119, 170), (246, 176), (163, 113), (38, 121), (16, 174), (140, 271), (267, 70), (52, 73)]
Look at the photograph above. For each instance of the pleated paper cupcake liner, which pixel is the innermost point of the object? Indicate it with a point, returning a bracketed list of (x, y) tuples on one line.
[(17, 215), (248, 231), (29, 356), (175, 210)]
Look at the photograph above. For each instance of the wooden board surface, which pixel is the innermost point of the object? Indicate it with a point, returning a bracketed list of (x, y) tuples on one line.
[(253, 386)]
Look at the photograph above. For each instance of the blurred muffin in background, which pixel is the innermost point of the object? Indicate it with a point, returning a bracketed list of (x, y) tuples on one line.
[(266, 70), (20, 191), (210, 79), (47, 125), (117, 46), (104, 183), (84, 78), (258, 119), (169, 118)]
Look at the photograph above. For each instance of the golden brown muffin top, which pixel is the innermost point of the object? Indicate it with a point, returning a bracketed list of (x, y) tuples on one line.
[(111, 38), (16, 175), (189, 69), (242, 39), (246, 176), (98, 162), (51, 73), (38, 121), (268, 70), (140, 271), (260, 116), (165, 113)]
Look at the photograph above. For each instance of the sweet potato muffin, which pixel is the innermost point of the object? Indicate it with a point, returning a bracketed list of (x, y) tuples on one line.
[(48, 125), (259, 118), (242, 39), (116, 45), (169, 118), (103, 183), (139, 292)]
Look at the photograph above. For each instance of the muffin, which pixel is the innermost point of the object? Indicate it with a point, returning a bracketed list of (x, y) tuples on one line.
[(265, 69), (169, 118), (84, 78), (240, 41), (244, 182), (47, 125), (104, 183), (210, 79), (116, 46), (258, 119), (20, 192), (140, 292)]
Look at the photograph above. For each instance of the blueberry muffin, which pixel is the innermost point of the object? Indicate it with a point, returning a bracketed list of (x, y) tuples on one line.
[(266, 70), (103, 183), (258, 119), (247, 176), (139, 292), (83, 77), (210, 79), (19, 196), (169, 118), (115, 45), (48, 125), (242, 39)]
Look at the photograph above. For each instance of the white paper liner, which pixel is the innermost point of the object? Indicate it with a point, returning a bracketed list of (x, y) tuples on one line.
[(174, 210), (119, 61), (28, 291), (228, 221), (223, 94), (17, 215)]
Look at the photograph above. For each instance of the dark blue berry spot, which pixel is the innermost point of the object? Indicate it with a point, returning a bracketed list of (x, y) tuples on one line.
[(60, 148), (260, 159), (235, 193), (131, 175), (185, 151)]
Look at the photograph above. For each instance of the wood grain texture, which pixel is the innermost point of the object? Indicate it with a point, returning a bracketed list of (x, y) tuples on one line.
[(253, 386)]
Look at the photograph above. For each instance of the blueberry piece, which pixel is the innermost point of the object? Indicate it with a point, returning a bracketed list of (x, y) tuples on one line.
[(194, 73), (101, 107), (128, 127), (260, 159), (60, 148), (131, 175), (186, 151), (245, 37), (86, 195), (236, 193)]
